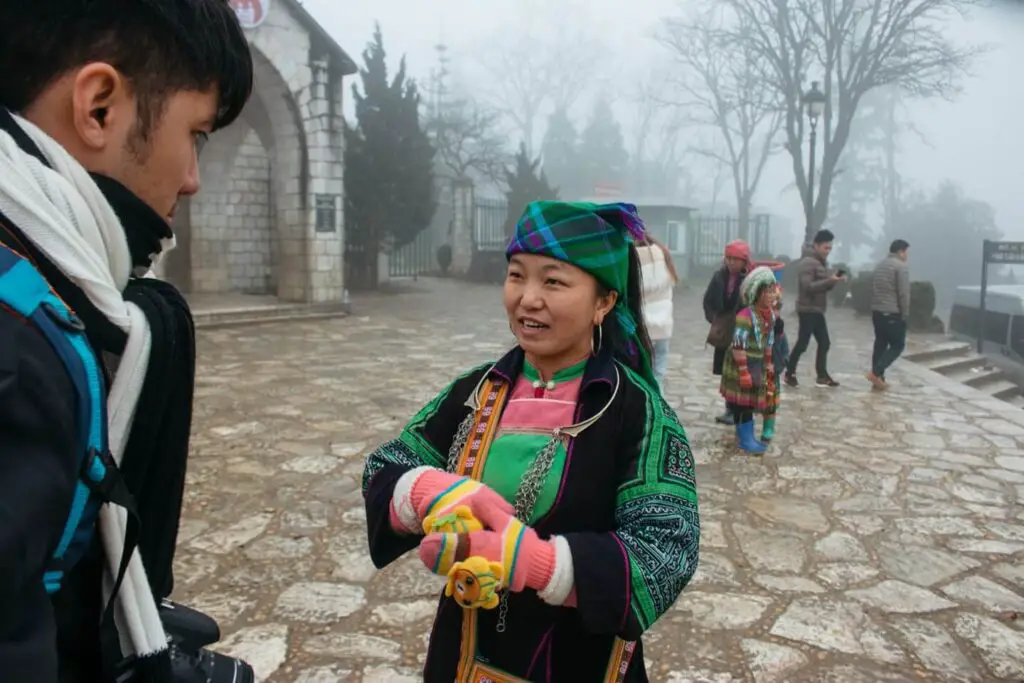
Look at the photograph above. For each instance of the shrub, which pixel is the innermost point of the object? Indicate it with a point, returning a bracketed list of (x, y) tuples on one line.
[(922, 307), (860, 293), (444, 258), (791, 275)]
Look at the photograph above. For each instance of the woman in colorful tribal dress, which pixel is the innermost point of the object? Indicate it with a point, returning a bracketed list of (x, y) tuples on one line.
[(568, 433), (749, 381)]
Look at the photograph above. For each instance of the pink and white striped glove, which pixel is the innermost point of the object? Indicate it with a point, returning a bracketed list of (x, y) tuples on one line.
[(528, 561), (432, 498)]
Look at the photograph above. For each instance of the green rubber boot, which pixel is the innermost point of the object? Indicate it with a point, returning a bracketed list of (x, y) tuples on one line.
[(768, 429)]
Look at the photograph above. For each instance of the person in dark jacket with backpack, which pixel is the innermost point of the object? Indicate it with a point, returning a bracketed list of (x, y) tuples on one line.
[(722, 303), (103, 105)]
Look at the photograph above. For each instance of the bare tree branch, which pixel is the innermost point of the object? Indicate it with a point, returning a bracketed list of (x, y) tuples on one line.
[(720, 85), (852, 47), (550, 65), (469, 140)]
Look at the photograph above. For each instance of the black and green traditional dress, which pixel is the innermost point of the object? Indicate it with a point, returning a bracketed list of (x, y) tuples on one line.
[(616, 483)]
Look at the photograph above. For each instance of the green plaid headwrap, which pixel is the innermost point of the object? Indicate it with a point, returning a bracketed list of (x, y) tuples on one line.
[(594, 238)]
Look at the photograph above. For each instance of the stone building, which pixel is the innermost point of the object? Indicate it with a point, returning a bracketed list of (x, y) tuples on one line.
[(268, 218)]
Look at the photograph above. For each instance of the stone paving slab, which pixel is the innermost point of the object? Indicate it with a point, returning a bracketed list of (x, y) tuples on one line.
[(880, 538)]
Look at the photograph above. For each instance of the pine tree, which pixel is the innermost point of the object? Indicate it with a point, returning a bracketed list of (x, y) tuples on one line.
[(389, 170), (526, 183), (602, 152), (561, 155)]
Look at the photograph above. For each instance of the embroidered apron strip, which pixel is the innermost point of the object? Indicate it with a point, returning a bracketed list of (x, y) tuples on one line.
[(471, 463), (618, 665)]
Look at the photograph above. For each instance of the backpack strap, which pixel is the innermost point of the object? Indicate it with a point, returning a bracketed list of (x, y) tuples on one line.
[(24, 290)]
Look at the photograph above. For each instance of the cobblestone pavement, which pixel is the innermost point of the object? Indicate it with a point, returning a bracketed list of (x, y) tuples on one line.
[(880, 539)]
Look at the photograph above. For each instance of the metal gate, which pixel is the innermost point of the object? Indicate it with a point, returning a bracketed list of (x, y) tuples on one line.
[(489, 216), (419, 257), (712, 233)]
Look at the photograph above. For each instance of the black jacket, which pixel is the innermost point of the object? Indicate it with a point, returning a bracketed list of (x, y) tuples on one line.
[(716, 300)]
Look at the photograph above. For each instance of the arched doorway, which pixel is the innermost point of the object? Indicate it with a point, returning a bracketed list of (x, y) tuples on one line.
[(244, 232)]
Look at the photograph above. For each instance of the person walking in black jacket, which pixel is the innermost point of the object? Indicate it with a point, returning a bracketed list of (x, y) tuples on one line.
[(816, 281), (102, 107), (722, 303)]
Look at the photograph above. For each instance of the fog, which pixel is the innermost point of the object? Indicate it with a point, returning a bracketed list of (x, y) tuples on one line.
[(970, 139)]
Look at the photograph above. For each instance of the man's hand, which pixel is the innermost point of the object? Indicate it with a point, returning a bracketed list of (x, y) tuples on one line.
[(838, 278)]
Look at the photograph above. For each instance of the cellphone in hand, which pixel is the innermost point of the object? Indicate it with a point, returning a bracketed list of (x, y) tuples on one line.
[(841, 272)]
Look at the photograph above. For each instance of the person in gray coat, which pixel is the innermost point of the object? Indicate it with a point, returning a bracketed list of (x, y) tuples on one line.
[(890, 307), (816, 281)]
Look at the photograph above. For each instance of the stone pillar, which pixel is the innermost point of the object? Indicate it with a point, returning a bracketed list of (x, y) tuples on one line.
[(326, 232), (461, 237)]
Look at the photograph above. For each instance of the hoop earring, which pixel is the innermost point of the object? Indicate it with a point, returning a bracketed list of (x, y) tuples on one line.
[(600, 340)]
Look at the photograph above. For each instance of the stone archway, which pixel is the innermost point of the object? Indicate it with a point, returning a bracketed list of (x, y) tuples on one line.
[(268, 218), (244, 232)]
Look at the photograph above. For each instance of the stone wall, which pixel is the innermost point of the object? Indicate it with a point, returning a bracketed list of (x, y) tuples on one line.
[(234, 247)]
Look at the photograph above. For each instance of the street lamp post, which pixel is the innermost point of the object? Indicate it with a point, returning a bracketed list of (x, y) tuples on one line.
[(814, 103)]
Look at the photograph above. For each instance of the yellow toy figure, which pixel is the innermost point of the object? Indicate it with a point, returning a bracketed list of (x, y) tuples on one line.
[(458, 521), (475, 582)]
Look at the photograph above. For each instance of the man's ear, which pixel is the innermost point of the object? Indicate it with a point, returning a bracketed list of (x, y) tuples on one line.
[(100, 99)]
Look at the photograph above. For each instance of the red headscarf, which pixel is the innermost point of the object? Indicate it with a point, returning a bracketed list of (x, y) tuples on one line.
[(738, 249)]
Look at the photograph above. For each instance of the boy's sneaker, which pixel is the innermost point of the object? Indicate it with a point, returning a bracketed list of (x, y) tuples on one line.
[(791, 381), (827, 382)]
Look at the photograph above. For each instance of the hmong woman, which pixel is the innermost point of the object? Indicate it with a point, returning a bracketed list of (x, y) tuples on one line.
[(722, 303), (564, 452), (749, 381)]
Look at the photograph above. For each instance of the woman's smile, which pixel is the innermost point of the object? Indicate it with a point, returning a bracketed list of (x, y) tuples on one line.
[(531, 327)]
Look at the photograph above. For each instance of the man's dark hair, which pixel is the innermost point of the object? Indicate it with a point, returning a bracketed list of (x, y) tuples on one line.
[(824, 237), (161, 46), (898, 245)]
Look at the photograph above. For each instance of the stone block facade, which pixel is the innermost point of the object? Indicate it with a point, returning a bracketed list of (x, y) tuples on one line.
[(237, 249), (268, 219)]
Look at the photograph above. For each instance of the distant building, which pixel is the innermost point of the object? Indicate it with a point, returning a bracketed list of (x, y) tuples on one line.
[(268, 218)]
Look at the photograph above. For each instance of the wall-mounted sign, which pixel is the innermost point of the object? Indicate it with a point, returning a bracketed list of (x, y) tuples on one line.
[(251, 13), (326, 212)]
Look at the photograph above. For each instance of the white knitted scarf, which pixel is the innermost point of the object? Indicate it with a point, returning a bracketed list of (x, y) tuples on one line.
[(62, 211)]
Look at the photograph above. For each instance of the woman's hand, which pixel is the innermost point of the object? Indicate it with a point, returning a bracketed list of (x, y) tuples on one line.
[(426, 496), (746, 381), (527, 560)]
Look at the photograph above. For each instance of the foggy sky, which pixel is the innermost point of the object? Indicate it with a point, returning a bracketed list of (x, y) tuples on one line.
[(976, 141)]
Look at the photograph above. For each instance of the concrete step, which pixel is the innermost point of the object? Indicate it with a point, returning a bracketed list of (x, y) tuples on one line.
[(218, 318), (978, 377), (1016, 399), (950, 366), (936, 352), (1003, 389)]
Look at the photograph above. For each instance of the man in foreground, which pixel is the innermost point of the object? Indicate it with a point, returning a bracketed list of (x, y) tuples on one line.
[(816, 281), (102, 106), (890, 307)]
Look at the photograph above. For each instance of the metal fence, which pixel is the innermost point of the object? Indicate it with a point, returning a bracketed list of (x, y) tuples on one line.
[(489, 216), (419, 257), (712, 233)]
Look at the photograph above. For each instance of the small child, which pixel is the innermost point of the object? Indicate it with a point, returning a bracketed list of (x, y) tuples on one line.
[(748, 374), (779, 356)]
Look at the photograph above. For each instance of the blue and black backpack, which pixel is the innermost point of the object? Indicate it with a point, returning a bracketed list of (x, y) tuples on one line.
[(24, 291)]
